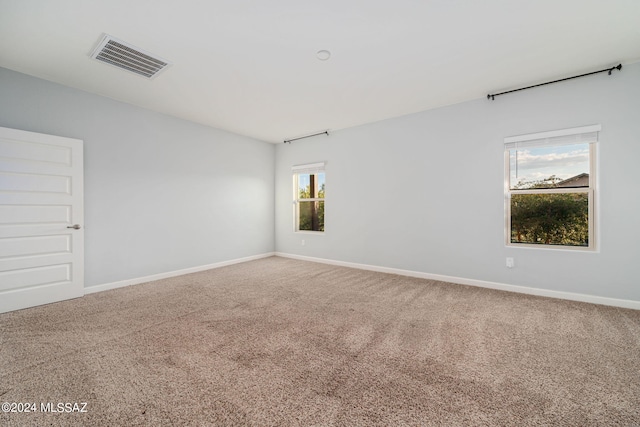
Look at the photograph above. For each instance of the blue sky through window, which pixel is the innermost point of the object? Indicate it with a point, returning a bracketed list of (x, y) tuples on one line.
[(304, 179), (537, 163)]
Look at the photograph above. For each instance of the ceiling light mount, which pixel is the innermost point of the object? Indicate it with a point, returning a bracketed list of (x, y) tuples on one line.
[(323, 55)]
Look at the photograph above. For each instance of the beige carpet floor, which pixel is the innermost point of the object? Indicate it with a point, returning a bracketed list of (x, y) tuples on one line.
[(281, 342)]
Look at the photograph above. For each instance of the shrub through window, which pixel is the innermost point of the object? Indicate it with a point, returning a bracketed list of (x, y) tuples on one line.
[(550, 188)]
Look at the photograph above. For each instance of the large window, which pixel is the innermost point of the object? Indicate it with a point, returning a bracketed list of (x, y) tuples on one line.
[(550, 189), (308, 199)]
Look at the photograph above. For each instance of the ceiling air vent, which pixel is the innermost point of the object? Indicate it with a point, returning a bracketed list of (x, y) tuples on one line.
[(122, 55)]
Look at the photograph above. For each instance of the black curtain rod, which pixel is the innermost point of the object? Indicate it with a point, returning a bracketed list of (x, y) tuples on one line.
[(609, 70), (326, 132)]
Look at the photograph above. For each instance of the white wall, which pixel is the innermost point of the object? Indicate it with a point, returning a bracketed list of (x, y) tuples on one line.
[(424, 192), (161, 194)]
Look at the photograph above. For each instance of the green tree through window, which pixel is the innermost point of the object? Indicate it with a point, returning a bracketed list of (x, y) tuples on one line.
[(549, 188), (550, 219), (311, 213), (309, 185)]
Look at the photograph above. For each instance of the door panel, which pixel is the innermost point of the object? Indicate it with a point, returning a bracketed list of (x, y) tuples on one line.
[(39, 214), (41, 197), (35, 246), (34, 183), (30, 277)]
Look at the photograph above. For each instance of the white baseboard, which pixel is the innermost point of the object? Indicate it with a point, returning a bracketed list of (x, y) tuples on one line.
[(145, 279), (480, 283)]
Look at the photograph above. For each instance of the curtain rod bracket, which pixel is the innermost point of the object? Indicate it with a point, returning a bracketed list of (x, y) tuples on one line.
[(608, 70), (618, 67)]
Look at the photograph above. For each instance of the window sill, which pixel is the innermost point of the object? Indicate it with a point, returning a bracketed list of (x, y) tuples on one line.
[(553, 248)]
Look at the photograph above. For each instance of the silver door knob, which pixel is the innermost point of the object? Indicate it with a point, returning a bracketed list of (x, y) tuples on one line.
[(75, 226)]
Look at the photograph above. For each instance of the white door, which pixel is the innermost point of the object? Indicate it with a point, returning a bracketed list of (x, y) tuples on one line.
[(41, 218)]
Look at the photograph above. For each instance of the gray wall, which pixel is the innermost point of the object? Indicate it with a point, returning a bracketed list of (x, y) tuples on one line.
[(424, 192), (161, 194)]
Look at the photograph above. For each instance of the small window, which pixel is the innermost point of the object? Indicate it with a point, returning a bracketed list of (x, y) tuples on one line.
[(308, 199), (550, 189)]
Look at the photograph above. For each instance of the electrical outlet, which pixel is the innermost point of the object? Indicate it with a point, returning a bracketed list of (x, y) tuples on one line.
[(510, 263), (302, 242)]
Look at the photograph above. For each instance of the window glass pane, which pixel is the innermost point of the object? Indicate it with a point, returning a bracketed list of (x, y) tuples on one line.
[(311, 216), (311, 186), (550, 219), (549, 166)]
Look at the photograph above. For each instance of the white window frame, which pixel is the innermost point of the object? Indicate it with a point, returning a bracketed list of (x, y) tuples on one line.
[(311, 168), (585, 134)]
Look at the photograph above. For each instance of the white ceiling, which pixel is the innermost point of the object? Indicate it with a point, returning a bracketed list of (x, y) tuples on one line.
[(250, 67)]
